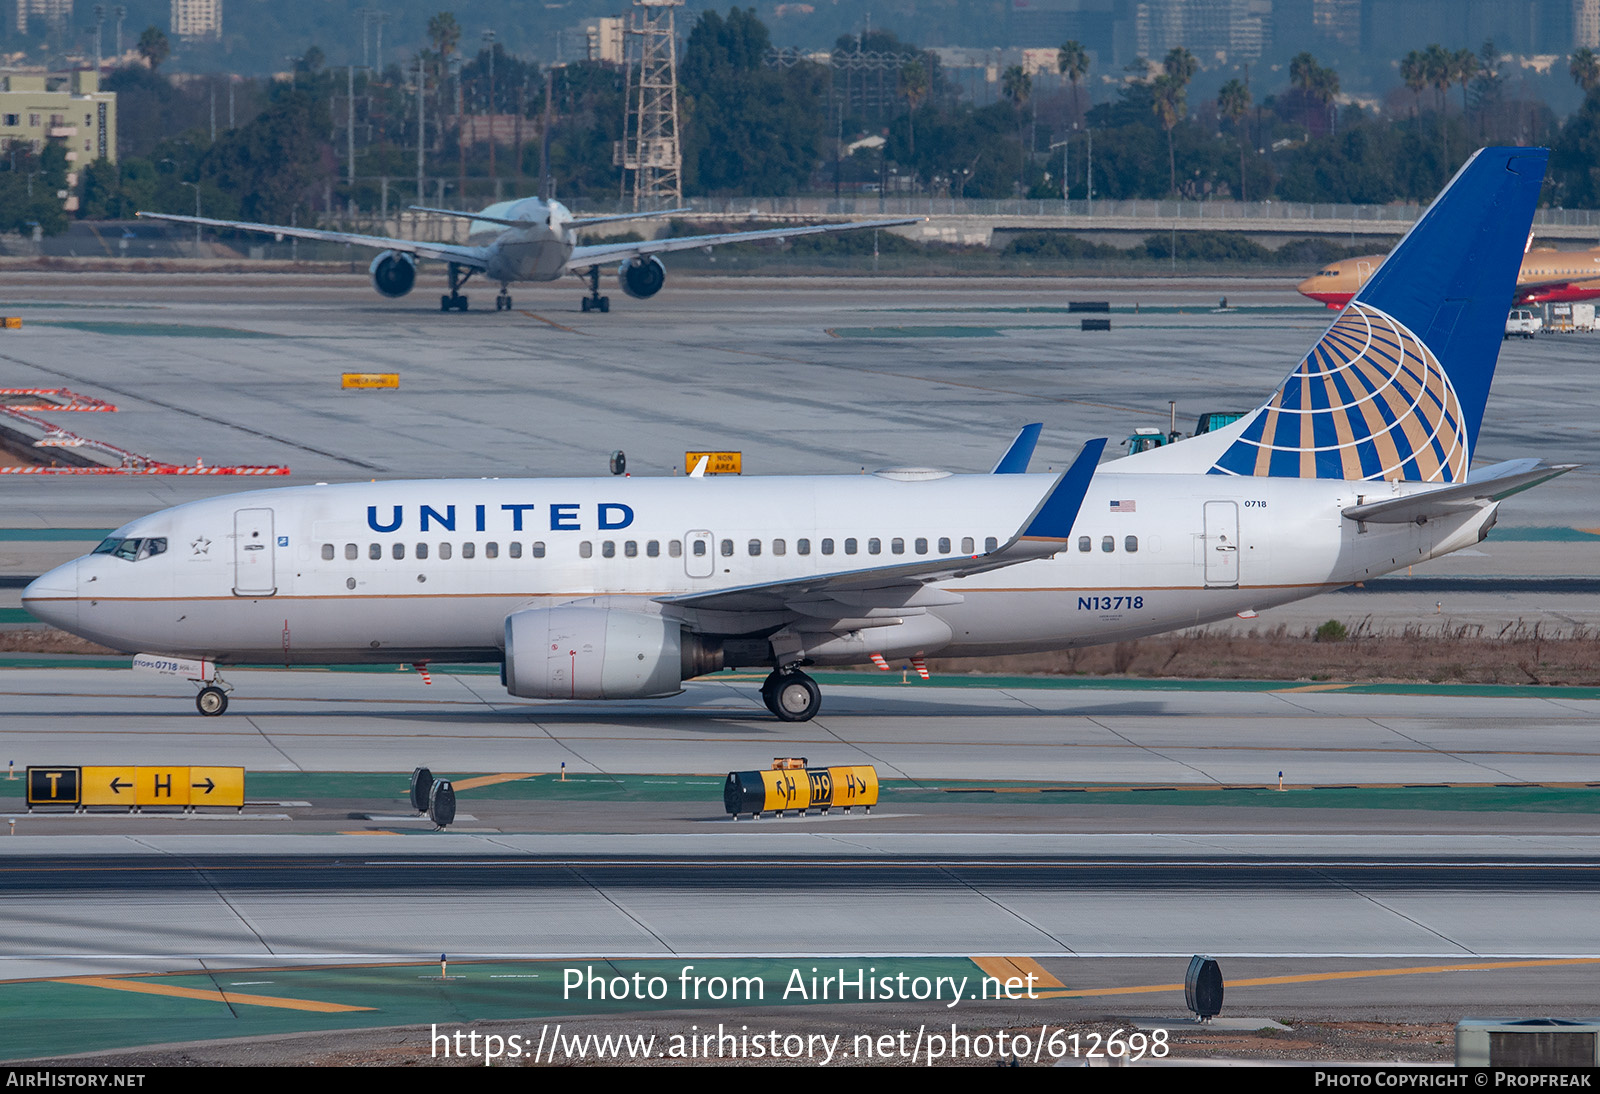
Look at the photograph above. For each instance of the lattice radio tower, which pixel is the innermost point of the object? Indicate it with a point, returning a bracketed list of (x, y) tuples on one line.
[(649, 146)]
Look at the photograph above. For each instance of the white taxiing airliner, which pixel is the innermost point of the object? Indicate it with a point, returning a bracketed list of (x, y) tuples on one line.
[(1359, 464), (528, 239)]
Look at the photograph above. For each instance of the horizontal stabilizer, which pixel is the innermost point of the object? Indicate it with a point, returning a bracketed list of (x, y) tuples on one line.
[(1017, 457), (584, 222), (475, 216), (1489, 484)]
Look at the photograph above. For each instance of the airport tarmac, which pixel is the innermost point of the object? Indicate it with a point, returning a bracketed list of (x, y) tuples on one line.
[(1408, 868)]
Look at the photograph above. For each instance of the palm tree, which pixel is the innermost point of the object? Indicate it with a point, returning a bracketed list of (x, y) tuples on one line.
[(1072, 61), (1233, 103), (1585, 69), (153, 47), (1324, 89), (1167, 100), (1414, 71), (1439, 65), (1466, 70), (1016, 85), (914, 86)]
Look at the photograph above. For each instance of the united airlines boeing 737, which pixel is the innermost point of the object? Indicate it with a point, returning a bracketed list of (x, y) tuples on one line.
[(1359, 464), (528, 239)]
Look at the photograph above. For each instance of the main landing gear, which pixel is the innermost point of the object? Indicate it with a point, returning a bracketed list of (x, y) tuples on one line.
[(455, 300), (791, 695), (503, 301), (594, 301)]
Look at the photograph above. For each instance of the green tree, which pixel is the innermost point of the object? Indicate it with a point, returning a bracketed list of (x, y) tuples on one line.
[(914, 87), (1017, 86), (1169, 104), (1414, 72), (153, 47), (1585, 69), (1466, 68)]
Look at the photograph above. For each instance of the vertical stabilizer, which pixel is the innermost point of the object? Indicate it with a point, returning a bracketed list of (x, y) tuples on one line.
[(1395, 389)]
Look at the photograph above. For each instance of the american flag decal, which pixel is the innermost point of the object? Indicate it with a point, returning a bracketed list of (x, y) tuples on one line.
[(1123, 506)]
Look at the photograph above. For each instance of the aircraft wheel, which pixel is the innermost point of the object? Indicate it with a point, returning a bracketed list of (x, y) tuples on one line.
[(212, 701), (795, 697), (444, 303), (605, 303), (461, 303), (586, 303)]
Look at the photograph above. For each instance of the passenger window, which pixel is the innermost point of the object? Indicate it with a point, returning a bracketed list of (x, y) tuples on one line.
[(398, 550), (374, 550), (802, 546), (653, 549), (1130, 544), (491, 550), (630, 549), (849, 546), (327, 552), (538, 548), (727, 548), (514, 548), (991, 544), (585, 549), (874, 546), (422, 550), (779, 547), (608, 548), (922, 546), (444, 550), (699, 548), (1108, 544), (755, 547), (469, 549), (675, 548), (967, 546), (352, 552), (1085, 544), (827, 546)]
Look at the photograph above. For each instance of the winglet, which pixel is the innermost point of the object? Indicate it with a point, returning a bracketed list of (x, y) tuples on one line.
[(699, 471), (1053, 519), (1015, 461)]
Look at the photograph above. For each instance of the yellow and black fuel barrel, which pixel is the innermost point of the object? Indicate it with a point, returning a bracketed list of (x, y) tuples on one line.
[(758, 792)]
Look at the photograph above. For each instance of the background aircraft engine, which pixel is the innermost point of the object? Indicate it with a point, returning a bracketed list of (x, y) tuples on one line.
[(642, 277), (592, 652), (393, 273)]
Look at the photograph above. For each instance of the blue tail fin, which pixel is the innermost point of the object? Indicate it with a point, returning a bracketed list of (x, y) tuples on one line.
[(1396, 387)]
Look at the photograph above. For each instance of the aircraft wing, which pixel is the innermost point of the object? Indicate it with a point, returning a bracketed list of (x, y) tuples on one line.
[(1488, 484), (849, 593), (595, 254), (443, 252)]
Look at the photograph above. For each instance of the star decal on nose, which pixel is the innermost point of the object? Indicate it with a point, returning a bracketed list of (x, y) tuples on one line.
[(202, 546)]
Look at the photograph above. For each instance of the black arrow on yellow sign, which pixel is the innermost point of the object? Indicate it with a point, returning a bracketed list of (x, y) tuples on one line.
[(117, 785), (208, 784)]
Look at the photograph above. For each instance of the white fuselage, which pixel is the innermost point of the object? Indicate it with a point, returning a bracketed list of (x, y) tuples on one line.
[(429, 570), (538, 252)]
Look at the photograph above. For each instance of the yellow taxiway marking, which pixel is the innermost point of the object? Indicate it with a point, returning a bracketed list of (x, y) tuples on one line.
[(550, 322), (490, 780), (1314, 977), (208, 995), (1017, 968), (1311, 687)]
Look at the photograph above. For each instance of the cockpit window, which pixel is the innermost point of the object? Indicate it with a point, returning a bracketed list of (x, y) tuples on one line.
[(133, 550)]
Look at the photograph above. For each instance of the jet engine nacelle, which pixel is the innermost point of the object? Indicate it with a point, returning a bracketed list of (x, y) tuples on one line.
[(642, 277), (393, 273), (579, 651)]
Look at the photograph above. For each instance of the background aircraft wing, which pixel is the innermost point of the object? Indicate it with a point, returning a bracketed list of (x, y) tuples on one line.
[(849, 593), (443, 252), (595, 254)]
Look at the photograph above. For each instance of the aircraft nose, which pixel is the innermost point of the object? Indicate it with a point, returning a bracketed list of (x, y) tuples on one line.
[(53, 597)]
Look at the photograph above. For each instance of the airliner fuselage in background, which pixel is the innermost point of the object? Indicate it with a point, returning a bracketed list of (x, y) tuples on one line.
[(1359, 464), (1547, 276), (527, 239)]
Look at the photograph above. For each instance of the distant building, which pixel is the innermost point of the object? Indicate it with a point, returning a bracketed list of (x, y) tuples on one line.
[(1586, 24), (65, 108), (1212, 30), (42, 14), (605, 40), (197, 19)]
